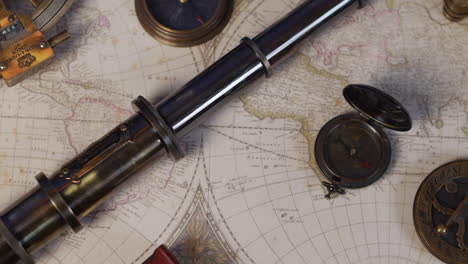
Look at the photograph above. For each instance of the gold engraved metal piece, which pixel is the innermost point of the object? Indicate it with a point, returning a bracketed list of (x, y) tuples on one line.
[(71, 177), (24, 48), (440, 212), (456, 10), (23, 56)]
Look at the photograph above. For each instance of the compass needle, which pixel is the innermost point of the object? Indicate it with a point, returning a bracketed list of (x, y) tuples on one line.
[(440, 208), (199, 18)]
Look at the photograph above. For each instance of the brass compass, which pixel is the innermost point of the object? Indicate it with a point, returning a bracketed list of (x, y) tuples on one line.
[(456, 10), (440, 212), (352, 150), (183, 23)]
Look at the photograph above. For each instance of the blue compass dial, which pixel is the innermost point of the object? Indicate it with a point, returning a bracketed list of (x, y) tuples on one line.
[(183, 14)]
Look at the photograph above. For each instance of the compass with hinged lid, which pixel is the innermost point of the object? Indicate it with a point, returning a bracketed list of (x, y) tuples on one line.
[(352, 150)]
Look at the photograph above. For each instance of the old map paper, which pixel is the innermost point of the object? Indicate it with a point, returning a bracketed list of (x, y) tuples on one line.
[(249, 189)]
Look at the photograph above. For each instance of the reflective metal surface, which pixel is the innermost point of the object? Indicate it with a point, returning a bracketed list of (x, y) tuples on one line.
[(86, 181), (186, 108), (378, 106)]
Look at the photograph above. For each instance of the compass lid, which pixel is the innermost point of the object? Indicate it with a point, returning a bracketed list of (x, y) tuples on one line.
[(378, 106)]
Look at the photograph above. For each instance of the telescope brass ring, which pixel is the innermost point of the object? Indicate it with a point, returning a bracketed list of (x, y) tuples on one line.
[(167, 136), (59, 203), (15, 245), (260, 55)]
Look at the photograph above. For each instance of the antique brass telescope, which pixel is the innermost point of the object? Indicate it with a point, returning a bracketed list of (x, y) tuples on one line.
[(79, 186)]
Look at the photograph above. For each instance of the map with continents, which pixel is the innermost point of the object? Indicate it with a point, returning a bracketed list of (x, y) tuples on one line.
[(249, 189)]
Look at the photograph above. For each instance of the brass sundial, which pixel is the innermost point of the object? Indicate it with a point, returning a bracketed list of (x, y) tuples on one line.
[(440, 212)]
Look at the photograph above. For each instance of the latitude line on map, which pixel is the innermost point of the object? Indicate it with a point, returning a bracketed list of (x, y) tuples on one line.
[(222, 218), (295, 204), (246, 143), (249, 212)]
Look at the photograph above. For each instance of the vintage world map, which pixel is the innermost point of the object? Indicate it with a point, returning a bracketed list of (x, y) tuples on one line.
[(249, 189)]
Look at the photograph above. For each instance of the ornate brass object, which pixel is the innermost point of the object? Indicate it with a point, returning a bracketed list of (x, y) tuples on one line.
[(456, 10), (440, 212), (23, 47), (183, 23)]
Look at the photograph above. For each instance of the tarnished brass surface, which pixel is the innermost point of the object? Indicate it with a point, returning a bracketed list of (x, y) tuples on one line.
[(84, 183), (3, 10), (59, 39), (456, 10), (23, 46), (440, 212), (20, 58), (49, 12), (36, 2), (184, 38)]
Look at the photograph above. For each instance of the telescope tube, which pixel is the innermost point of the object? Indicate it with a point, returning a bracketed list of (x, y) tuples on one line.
[(78, 187)]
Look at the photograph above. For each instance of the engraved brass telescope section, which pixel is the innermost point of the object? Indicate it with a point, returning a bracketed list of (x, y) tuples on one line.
[(62, 199), (456, 10)]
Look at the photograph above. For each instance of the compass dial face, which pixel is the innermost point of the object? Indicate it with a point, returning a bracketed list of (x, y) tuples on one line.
[(183, 14), (183, 23), (440, 212), (351, 152)]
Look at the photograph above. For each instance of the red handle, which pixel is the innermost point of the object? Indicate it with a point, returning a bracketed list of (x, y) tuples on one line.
[(161, 256)]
